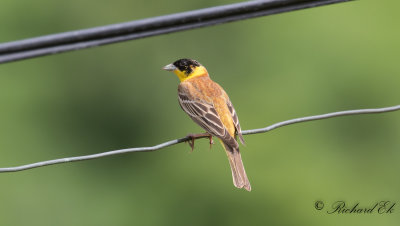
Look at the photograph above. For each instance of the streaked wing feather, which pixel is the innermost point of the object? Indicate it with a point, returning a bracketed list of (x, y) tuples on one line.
[(203, 114), (235, 121)]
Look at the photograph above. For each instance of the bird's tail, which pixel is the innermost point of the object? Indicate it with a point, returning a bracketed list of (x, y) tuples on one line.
[(238, 173)]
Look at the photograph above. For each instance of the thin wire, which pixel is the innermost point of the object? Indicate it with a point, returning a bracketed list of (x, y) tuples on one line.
[(180, 140), (97, 36)]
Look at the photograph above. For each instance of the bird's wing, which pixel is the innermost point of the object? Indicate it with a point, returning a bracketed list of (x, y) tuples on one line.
[(205, 115), (235, 120)]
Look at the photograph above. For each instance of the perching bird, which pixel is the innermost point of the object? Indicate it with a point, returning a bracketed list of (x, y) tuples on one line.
[(209, 106)]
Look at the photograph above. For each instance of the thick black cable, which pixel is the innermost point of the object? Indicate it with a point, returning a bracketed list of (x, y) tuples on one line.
[(80, 39)]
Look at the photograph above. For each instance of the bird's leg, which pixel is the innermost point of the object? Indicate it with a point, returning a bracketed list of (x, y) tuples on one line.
[(211, 141), (193, 137), (191, 141)]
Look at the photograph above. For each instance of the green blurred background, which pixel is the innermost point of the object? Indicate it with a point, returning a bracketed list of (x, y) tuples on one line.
[(314, 61)]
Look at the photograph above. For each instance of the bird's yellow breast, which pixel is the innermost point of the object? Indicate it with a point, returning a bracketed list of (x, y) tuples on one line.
[(224, 114)]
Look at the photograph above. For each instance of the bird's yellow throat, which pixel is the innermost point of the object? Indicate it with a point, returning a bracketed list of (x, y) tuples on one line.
[(197, 71)]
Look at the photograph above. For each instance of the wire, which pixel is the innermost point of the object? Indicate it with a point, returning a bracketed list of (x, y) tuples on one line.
[(180, 140), (97, 36)]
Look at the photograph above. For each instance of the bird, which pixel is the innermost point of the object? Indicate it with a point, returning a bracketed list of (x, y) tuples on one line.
[(208, 105)]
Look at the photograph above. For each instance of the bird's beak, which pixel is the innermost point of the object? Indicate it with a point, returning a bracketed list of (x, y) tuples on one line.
[(169, 67)]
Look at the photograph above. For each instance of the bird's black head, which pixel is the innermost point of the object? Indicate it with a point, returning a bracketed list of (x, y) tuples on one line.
[(186, 65)]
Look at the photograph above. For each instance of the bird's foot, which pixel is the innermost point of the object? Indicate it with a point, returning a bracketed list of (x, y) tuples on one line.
[(211, 141), (193, 137)]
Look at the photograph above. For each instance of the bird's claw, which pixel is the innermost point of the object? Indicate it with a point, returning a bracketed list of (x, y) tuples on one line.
[(193, 137), (211, 141), (191, 142)]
